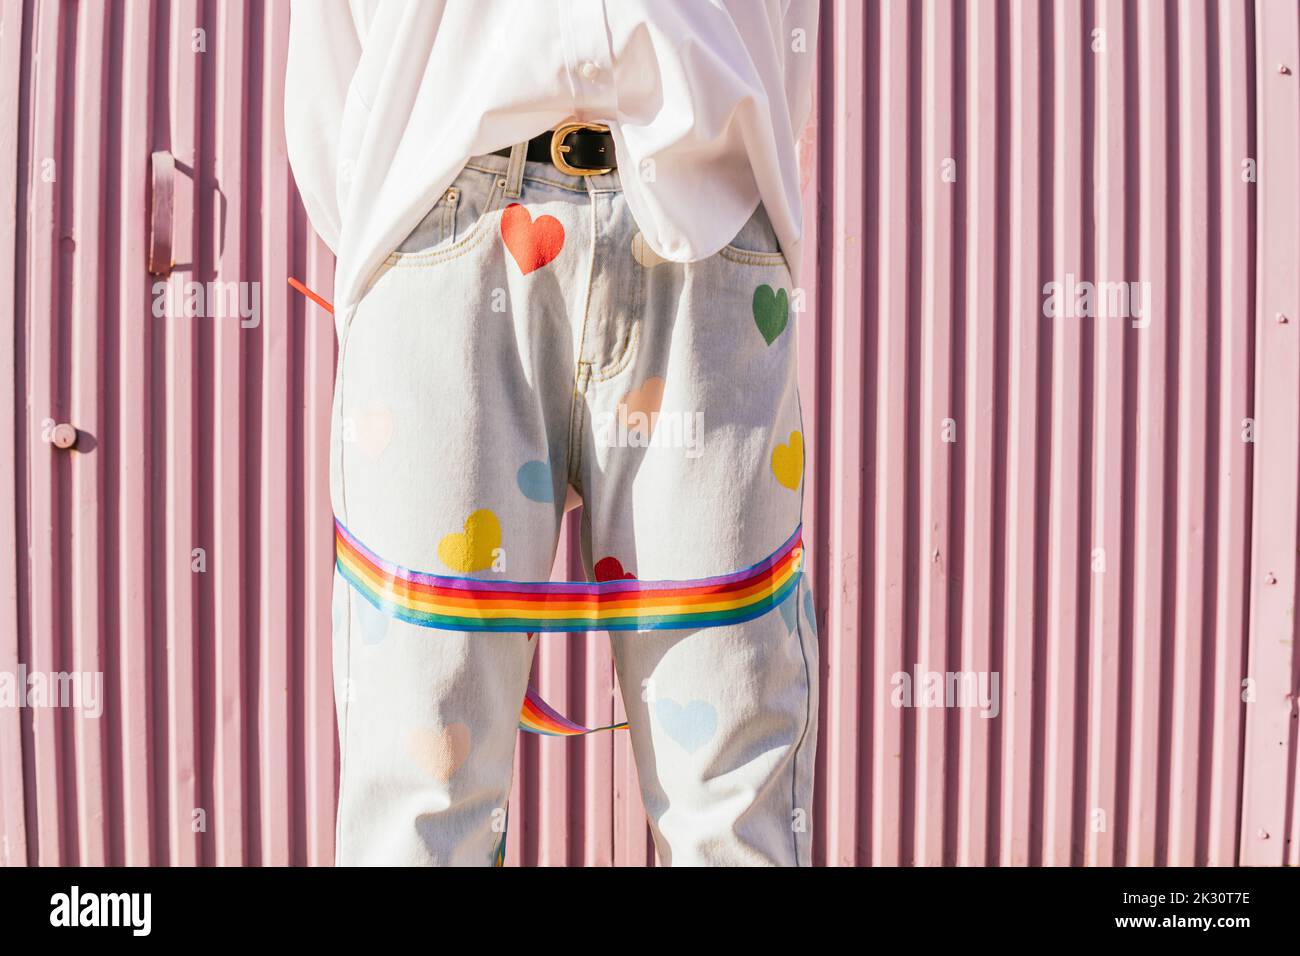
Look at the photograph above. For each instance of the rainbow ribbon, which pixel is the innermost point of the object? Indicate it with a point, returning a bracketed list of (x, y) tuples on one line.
[(453, 603), (471, 604)]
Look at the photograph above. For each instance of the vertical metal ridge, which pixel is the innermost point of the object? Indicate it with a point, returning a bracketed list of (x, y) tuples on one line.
[(1236, 201), (999, 507), (109, 463), (228, 843), (933, 376), (1017, 736), (1062, 371), (983, 198), (132, 629), (839, 540), (51, 763), (278, 410), (1194, 372), (912, 491), (1084, 544), (85, 402), (14, 237), (205, 269), (1144, 741), (182, 436), (1112, 259), (1270, 820)]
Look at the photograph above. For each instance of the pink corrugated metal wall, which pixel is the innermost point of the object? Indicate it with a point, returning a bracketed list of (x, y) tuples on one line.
[(1105, 515)]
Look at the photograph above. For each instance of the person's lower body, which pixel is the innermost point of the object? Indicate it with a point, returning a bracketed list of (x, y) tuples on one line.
[(523, 340)]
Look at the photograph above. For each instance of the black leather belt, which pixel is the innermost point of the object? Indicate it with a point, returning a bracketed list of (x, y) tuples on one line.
[(578, 149)]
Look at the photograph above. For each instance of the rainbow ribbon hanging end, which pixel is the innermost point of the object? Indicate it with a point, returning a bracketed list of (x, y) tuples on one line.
[(539, 717)]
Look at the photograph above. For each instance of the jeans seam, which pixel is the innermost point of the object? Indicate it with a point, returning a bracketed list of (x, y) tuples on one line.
[(631, 346), (625, 358), (576, 419), (803, 652), (582, 368), (344, 731), (749, 258), (346, 709)]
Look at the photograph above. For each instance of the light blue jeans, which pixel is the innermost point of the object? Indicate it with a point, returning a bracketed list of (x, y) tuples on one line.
[(524, 347)]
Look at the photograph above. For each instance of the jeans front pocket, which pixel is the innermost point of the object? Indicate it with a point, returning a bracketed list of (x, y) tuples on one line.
[(756, 244), (450, 227)]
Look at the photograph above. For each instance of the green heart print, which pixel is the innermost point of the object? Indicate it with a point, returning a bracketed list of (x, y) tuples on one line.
[(771, 312)]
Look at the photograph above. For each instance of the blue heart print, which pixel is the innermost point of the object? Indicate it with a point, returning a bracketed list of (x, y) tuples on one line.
[(534, 478), (692, 725), (374, 622), (790, 611), (810, 612)]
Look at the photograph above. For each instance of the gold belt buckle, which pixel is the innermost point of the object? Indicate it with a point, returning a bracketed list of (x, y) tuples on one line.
[(558, 149)]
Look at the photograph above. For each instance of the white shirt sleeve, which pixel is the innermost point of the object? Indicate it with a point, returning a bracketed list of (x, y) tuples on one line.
[(325, 39)]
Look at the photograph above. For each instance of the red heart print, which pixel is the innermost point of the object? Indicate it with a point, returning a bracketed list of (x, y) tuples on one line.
[(532, 243), (611, 569)]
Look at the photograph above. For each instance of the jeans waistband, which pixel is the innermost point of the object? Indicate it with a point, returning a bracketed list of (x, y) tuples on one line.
[(546, 173)]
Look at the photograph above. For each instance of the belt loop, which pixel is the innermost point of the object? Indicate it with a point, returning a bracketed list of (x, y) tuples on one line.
[(515, 171)]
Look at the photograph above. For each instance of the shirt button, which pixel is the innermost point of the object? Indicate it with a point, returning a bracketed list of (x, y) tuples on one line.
[(590, 70)]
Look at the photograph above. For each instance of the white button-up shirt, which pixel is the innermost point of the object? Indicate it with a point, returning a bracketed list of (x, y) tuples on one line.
[(385, 100)]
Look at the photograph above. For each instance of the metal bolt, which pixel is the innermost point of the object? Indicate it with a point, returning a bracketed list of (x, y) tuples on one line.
[(1281, 318), (1284, 69), (63, 436), (1270, 578), (1263, 834)]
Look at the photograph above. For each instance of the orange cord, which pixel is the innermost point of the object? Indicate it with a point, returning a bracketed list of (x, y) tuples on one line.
[(311, 295)]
